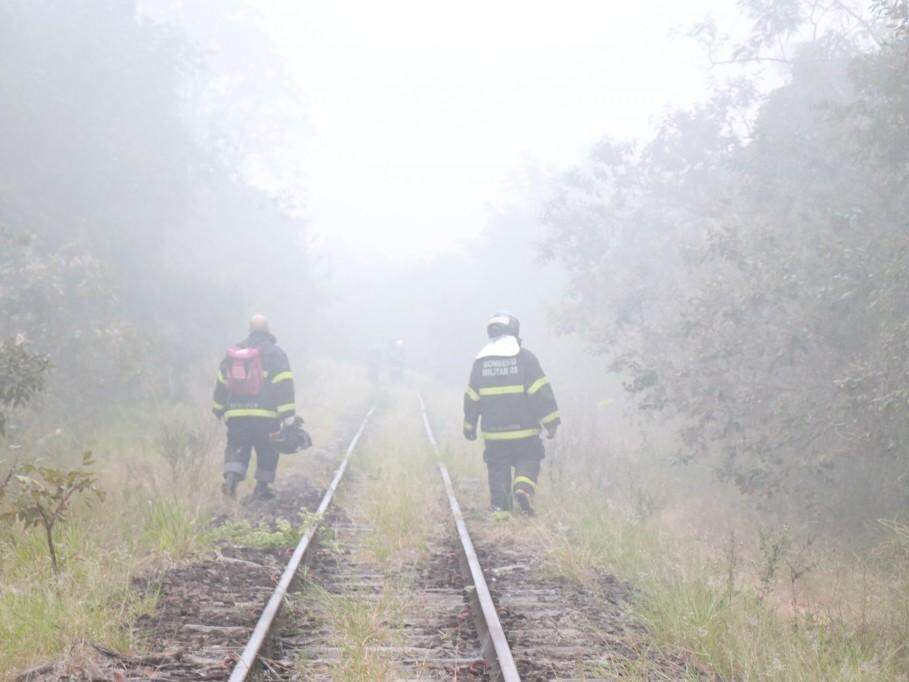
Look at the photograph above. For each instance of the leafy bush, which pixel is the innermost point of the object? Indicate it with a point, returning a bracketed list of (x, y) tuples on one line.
[(45, 495), (747, 281), (22, 375), (184, 448)]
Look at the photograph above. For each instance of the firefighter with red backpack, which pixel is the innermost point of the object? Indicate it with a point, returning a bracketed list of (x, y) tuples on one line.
[(254, 394)]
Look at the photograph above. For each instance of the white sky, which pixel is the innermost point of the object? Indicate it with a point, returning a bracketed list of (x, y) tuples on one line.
[(421, 111)]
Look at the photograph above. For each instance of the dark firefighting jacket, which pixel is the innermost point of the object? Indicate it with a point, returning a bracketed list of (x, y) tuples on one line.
[(508, 394), (275, 401)]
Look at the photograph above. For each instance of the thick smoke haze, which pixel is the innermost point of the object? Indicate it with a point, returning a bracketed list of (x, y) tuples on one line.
[(422, 116), (697, 210)]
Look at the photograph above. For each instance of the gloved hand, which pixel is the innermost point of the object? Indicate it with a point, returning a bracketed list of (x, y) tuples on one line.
[(470, 434), (551, 431)]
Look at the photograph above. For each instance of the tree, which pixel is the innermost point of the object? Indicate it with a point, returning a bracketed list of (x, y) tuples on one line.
[(22, 375), (121, 202), (751, 285)]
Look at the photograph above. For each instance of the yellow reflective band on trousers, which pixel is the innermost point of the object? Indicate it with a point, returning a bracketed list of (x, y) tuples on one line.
[(472, 394), (221, 378), (247, 412), (524, 479), (469, 426), (502, 390), (511, 435), (287, 408), (537, 385), (282, 376), (217, 406), (551, 417)]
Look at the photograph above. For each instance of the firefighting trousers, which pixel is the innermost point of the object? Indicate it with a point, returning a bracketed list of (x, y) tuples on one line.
[(245, 434), (512, 465)]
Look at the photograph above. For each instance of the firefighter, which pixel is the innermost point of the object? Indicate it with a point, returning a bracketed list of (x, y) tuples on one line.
[(511, 401), (374, 363), (396, 359), (254, 394)]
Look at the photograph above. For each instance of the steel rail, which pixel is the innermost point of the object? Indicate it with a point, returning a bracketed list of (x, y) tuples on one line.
[(253, 648), (493, 644)]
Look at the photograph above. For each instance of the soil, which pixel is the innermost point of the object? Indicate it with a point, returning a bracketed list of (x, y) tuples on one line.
[(560, 631), (205, 609)]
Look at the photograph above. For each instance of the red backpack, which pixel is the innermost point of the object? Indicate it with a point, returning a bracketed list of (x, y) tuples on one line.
[(245, 376)]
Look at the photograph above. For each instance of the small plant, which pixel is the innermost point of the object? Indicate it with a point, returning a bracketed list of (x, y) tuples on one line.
[(774, 546), (183, 448), (284, 535), (361, 629), (46, 494), (5, 481), (646, 503), (732, 565), (799, 563)]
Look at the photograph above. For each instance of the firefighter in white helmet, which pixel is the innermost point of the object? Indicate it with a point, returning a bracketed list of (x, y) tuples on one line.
[(510, 401)]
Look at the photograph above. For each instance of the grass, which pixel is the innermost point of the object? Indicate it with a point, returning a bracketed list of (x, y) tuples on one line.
[(156, 512), (745, 614), (147, 519), (689, 605), (174, 530), (42, 618), (394, 489), (400, 493), (360, 628)]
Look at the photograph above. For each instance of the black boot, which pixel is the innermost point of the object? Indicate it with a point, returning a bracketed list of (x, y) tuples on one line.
[(229, 488), (263, 491), (525, 502)]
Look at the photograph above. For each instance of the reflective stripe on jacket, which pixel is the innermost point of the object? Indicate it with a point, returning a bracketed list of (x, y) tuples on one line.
[(509, 397)]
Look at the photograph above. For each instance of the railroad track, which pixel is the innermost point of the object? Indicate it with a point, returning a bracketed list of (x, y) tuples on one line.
[(439, 642), (251, 652), (447, 626)]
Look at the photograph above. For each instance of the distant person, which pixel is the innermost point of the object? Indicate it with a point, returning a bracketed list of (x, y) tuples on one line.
[(512, 400), (374, 362), (396, 360), (254, 393)]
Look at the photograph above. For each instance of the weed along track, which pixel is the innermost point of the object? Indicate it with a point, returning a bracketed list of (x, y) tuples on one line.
[(387, 585), (555, 630), (384, 596), (361, 618)]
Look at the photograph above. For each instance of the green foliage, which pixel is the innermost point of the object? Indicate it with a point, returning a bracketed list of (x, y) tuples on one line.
[(92, 600), (22, 375), (744, 271), (173, 529), (45, 495), (95, 270), (284, 534), (689, 599)]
